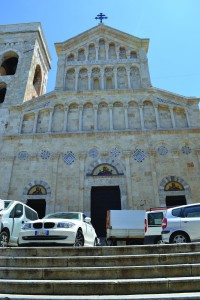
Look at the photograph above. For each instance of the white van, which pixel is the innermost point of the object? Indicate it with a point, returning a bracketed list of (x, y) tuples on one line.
[(153, 225), (13, 214)]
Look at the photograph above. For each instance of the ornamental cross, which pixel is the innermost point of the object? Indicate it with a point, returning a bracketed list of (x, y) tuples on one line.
[(101, 17)]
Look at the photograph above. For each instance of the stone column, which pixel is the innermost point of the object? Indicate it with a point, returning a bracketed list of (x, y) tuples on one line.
[(115, 78), (54, 182), (187, 117), (50, 119), (152, 155), (141, 116), (35, 122), (6, 181), (107, 48), (89, 80), (80, 117), (126, 115), (111, 115), (95, 117), (157, 116), (172, 117), (117, 54), (127, 155), (97, 52), (65, 118), (128, 77), (102, 79), (21, 122), (82, 157), (76, 80), (86, 55)]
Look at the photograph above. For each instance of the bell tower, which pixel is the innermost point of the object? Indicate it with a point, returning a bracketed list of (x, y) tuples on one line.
[(24, 63)]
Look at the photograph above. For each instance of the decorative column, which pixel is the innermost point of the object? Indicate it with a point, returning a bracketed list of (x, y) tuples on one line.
[(8, 177), (50, 119), (128, 77), (21, 122), (172, 117), (95, 117), (86, 55), (65, 118), (157, 116), (76, 80), (111, 115), (107, 48), (97, 52), (80, 117), (82, 157), (127, 155), (117, 54), (187, 117), (141, 116), (102, 79), (115, 78), (35, 121), (126, 115), (89, 80)]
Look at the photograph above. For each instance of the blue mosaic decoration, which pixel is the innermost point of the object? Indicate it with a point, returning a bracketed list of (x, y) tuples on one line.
[(94, 153), (45, 154), (139, 155), (115, 152), (69, 158), (186, 149), (162, 150), (23, 155)]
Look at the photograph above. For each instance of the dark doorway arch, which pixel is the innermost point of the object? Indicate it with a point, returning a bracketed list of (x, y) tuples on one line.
[(38, 205), (103, 198)]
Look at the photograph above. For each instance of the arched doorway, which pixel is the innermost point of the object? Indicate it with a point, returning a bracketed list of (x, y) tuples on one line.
[(174, 191), (37, 202)]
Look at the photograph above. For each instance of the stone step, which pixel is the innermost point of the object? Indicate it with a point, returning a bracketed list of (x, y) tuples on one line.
[(100, 287), (98, 273), (100, 261), (170, 296), (100, 251)]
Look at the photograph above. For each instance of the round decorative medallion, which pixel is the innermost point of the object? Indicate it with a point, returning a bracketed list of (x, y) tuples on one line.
[(23, 155)]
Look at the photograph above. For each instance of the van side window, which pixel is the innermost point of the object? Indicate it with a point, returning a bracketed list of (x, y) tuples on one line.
[(155, 219), (17, 211), (30, 214), (192, 211), (177, 212)]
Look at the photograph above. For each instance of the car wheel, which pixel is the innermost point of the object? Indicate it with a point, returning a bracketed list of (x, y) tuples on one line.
[(79, 241), (4, 239), (179, 237)]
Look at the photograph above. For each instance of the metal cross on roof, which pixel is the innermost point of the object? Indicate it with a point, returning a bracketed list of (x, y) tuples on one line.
[(101, 16)]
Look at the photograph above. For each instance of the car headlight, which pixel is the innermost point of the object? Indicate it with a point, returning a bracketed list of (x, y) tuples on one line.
[(26, 226), (65, 225)]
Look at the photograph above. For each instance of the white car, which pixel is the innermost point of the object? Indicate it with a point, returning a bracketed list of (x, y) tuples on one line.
[(63, 228), (13, 214), (181, 224)]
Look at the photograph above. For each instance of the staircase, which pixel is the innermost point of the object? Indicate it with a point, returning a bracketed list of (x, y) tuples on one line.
[(103, 273)]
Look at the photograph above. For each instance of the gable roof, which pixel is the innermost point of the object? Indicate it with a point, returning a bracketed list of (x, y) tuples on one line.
[(102, 31)]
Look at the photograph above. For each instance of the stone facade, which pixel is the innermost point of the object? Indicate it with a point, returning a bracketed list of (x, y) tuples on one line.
[(104, 125)]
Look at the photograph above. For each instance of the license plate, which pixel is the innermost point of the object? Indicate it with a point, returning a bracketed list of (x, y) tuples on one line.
[(42, 232)]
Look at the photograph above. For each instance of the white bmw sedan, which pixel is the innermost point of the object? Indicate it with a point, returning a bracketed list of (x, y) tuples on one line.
[(62, 228)]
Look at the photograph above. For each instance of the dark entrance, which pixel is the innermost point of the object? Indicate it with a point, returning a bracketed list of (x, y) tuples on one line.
[(102, 199), (175, 200), (38, 205)]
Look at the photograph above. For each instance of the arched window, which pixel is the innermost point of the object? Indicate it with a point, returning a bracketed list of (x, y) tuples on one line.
[(37, 80), (2, 92), (122, 53), (9, 64), (70, 57), (133, 54)]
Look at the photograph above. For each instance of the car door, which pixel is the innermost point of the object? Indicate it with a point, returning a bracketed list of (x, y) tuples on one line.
[(190, 222), (17, 217)]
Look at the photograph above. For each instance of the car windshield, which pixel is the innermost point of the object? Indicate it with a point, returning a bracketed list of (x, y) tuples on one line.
[(63, 215)]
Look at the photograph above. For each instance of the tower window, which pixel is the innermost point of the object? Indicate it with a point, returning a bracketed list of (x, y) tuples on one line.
[(2, 92), (37, 80), (9, 64)]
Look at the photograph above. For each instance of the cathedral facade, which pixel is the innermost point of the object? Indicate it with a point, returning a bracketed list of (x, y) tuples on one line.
[(104, 138)]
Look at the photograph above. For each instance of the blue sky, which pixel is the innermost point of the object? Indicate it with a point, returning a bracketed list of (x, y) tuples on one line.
[(173, 27)]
